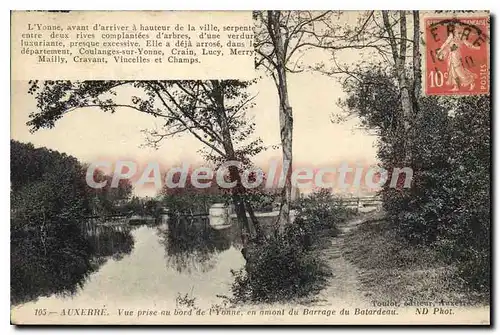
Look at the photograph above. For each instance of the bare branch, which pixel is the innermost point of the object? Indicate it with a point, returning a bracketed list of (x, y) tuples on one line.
[(402, 44), (179, 118), (392, 39)]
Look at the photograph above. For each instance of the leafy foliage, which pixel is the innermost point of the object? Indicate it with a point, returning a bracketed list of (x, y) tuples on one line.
[(466, 236), (320, 211), (287, 266), (279, 269), (48, 250), (108, 200), (448, 204)]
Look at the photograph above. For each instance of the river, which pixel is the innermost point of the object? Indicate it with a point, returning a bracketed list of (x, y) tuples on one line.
[(154, 265)]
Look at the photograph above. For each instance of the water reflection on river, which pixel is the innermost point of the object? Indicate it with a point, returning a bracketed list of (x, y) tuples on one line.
[(153, 264)]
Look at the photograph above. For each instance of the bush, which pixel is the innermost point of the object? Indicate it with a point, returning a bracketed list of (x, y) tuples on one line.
[(281, 268), (320, 211), (469, 205), (287, 266), (448, 205)]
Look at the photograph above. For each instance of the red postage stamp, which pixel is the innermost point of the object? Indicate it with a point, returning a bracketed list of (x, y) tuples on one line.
[(456, 56)]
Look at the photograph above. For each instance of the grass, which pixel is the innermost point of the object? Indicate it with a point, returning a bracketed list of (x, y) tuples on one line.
[(391, 270)]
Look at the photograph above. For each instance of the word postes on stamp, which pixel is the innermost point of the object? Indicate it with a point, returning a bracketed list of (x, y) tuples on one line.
[(456, 59)]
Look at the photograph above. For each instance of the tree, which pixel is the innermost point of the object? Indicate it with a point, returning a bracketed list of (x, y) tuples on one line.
[(213, 111), (448, 205), (279, 39), (192, 200), (283, 37), (376, 37), (49, 200), (399, 58), (107, 200)]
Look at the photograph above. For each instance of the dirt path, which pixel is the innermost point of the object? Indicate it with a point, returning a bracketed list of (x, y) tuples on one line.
[(344, 287)]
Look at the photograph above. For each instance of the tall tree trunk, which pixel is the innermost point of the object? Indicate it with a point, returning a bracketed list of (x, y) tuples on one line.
[(417, 74), (400, 62), (285, 116), (241, 214), (234, 174), (417, 70), (257, 231)]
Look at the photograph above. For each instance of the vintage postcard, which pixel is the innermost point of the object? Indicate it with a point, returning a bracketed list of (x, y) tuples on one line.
[(250, 168)]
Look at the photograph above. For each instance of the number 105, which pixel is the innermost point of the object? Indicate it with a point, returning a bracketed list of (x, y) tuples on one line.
[(40, 311)]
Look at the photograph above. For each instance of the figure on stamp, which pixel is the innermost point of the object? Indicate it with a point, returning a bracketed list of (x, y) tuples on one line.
[(458, 75)]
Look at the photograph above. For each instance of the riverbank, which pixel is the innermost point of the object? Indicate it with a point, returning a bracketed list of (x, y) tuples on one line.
[(372, 271), (391, 270)]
